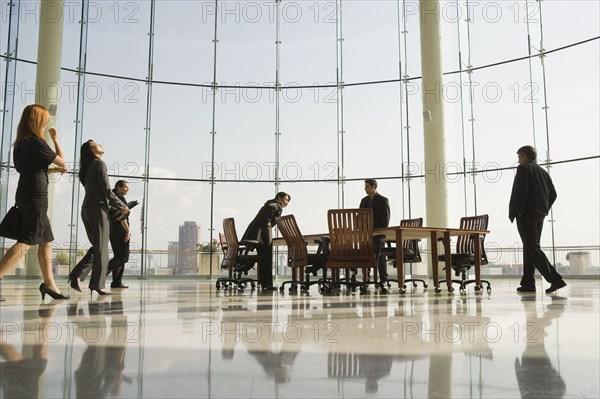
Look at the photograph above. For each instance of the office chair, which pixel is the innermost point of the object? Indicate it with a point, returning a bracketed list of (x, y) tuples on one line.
[(464, 257), (302, 262), (240, 258), (412, 253)]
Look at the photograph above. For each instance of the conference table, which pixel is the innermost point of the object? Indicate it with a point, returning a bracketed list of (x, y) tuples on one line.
[(399, 233)]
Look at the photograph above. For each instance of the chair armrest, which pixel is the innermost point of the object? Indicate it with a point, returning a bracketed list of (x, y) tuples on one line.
[(247, 246)]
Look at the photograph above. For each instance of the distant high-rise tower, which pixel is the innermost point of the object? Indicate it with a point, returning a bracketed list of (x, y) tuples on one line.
[(172, 257), (187, 261)]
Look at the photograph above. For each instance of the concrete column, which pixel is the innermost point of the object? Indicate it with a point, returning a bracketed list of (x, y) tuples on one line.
[(433, 115), (47, 89)]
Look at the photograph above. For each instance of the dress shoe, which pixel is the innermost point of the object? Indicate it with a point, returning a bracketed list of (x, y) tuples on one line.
[(525, 289), (44, 289), (556, 286), (119, 285), (2, 299), (74, 283), (99, 291)]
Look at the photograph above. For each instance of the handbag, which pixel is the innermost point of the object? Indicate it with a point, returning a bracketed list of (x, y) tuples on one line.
[(11, 224)]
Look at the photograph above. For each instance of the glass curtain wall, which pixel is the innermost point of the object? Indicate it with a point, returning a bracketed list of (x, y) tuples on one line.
[(208, 108)]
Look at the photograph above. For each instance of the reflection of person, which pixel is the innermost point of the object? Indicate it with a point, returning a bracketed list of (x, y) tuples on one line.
[(32, 156), (381, 217), (94, 214), (374, 367), (532, 197), (21, 375), (100, 372), (275, 364), (260, 230), (119, 240), (536, 376), (276, 361)]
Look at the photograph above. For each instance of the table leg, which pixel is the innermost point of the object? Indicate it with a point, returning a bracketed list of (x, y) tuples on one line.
[(400, 260), (478, 260), (434, 261), (448, 260)]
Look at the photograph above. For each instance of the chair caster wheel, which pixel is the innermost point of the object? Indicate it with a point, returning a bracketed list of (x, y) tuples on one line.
[(425, 286)]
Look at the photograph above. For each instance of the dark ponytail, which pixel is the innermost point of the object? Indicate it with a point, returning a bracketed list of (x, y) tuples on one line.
[(86, 157)]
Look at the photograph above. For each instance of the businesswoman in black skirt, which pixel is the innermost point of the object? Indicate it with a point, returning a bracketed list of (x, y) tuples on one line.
[(94, 210), (32, 157)]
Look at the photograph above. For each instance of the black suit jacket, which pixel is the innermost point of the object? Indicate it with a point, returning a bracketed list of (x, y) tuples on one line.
[(97, 189), (532, 192), (260, 228), (381, 210)]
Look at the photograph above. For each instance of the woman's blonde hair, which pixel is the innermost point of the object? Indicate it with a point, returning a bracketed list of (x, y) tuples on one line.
[(34, 119)]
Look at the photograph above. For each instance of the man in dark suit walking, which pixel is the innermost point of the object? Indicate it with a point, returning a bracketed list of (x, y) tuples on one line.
[(381, 217), (532, 197)]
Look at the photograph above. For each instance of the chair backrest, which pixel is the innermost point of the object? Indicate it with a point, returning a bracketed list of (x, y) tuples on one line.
[(296, 246), (351, 235), (223, 242), (412, 245), (230, 257), (465, 243)]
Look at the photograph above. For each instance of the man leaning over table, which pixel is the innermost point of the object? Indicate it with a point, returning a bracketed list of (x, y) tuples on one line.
[(260, 230)]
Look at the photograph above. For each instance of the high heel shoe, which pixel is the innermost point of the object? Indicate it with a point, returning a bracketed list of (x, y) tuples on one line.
[(74, 283), (44, 289), (99, 291)]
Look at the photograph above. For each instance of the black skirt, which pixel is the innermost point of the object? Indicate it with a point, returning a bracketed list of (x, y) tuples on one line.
[(32, 201)]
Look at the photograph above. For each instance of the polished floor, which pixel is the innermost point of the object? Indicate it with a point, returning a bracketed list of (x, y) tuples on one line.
[(185, 339)]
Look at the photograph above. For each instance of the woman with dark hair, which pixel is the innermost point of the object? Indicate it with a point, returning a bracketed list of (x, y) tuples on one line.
[(32, 156), (94, 214), (260, 230)]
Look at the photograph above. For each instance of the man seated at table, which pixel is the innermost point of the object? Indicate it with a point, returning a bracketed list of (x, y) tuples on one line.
[(381, 218)]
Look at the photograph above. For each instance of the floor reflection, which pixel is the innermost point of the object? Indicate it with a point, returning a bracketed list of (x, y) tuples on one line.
[(536, 375), (21, 370), (184, 339), (103, 331)]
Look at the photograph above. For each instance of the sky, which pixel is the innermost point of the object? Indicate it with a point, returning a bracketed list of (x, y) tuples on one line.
[(500, 110)]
